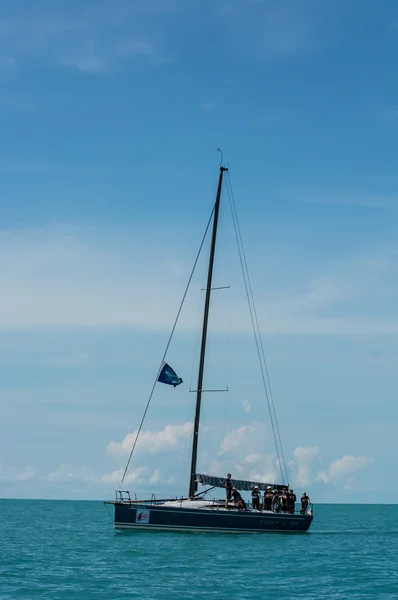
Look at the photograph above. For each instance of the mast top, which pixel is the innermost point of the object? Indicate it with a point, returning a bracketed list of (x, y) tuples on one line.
[(221, 160)]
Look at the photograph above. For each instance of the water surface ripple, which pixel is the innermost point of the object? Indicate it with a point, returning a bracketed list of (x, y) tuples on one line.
[(60, 550)]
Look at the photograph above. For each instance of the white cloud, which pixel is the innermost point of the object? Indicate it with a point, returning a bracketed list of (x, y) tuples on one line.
[(86, 62), (305, 468), (13, 473), (59, 279), (156, 477), (347, 464), (345, 298), (274, 30), (246, 406), (137, 476), (253, 458), (25, 474), (242, 438), (67, 473), (214, 466), (207, 106), (167, 475), (96, 39), (90, 41), (343, 466), (172, 437), (62, 278), (302, 465), (306, 453), (238, 458), (260, 467)]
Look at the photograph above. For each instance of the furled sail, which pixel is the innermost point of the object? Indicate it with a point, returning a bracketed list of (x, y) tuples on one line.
[(239, 484), (169, 376)]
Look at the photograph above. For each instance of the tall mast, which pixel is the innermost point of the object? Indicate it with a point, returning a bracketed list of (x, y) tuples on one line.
[(192, 482)]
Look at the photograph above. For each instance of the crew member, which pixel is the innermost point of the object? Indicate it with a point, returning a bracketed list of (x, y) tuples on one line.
[(267, 501), (228, 489), (283, 496), (304, 503), (276, 501), (256, 497), (238, 500), (291, 500)]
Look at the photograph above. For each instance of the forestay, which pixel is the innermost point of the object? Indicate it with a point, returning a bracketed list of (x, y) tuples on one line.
[(239, 484)]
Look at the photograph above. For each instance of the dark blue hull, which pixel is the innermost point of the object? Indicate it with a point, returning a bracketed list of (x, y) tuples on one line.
[(158, 517)]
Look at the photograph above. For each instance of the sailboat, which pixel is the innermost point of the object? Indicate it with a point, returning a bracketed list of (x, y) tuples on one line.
[(198, 511)]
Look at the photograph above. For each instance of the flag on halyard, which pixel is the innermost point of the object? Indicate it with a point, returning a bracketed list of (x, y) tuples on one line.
[(169, 376)]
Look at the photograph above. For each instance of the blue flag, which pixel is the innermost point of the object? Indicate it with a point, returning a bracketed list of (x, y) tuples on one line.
[(167, 375)]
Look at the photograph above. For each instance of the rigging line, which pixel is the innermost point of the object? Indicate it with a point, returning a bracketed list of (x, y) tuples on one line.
[(262, 351), (168, 344), (260, 338), (250, 300), (255, 334), (258, 329), (258, 347), (227, 383)]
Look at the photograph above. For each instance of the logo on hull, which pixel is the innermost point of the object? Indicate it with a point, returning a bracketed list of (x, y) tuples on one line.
[(270, 522), (142, 516)]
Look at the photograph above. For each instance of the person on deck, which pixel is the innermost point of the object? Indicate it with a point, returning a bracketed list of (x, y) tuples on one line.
[(228, 489), (256, 497), (304, 503), (278, 501), (283, 500), (291, 500), (238, 500), (267, 500)]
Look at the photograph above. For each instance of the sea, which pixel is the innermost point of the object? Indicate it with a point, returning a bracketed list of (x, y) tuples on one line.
[(68, 550)]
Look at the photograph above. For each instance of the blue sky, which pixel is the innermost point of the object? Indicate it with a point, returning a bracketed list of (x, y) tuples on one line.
[(111, 114)]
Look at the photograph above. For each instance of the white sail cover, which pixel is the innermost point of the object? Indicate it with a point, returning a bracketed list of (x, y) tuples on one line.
[(239, 484)]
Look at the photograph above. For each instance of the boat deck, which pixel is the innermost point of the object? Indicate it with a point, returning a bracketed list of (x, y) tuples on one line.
[(197, 504)]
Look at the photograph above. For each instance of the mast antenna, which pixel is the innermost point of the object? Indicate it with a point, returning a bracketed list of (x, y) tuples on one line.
[(222, 156)]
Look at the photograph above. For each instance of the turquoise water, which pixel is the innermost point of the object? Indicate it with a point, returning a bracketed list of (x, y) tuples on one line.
[(69, 550)]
